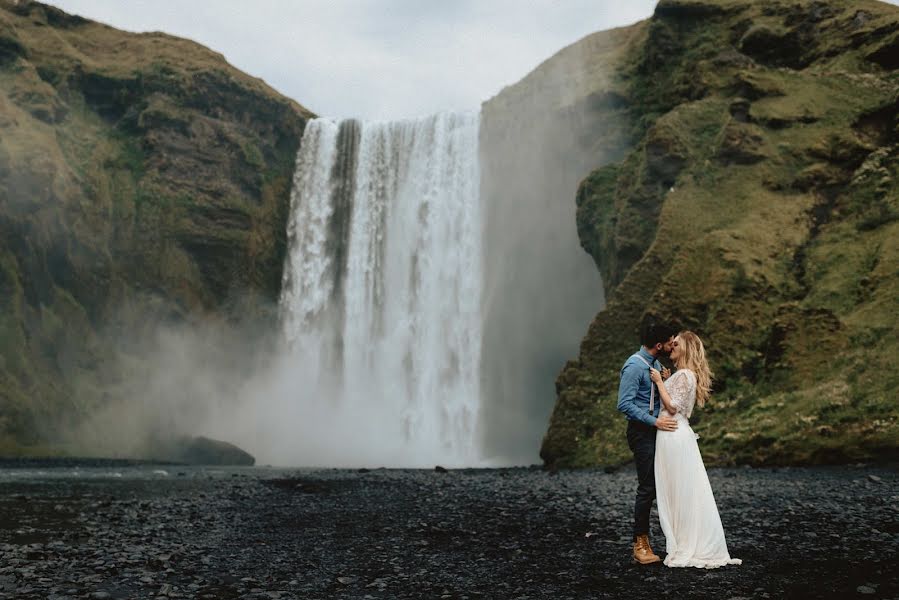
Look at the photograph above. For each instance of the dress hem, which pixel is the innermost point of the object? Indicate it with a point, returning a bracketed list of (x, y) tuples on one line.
[(701, 564)]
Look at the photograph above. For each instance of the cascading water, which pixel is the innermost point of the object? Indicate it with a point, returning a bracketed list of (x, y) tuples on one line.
[(382, 292)]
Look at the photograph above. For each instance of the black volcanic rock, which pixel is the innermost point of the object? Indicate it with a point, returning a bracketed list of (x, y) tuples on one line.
[(405, 534), (201, 450)]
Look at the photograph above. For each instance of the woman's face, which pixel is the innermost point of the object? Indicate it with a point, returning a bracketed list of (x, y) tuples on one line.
[(677, 349)]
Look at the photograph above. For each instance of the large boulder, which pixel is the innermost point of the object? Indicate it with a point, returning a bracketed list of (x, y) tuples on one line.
[(201, 450)]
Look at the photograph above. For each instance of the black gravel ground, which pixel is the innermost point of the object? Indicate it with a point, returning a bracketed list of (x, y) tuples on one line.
[(141, 531)]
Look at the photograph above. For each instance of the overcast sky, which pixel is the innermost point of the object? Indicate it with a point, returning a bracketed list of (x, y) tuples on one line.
[(375, 59)]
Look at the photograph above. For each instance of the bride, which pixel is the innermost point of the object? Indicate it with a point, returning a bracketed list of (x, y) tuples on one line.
[(689, 518)]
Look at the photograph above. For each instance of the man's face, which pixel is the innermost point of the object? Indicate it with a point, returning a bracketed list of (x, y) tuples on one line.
[(666, 348)]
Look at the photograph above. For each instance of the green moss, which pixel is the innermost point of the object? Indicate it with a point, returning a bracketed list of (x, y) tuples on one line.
[(130, 157), (772, 237), (131, 169), (252, 154), (595, 216)]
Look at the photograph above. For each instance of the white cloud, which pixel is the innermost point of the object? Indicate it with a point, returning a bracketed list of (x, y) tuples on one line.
[(376, 60)]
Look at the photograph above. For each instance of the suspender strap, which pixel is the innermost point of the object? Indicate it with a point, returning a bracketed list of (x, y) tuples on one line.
[(652, 386)]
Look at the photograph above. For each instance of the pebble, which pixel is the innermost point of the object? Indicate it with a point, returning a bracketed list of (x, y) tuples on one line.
[(865, 589), (404, 534)]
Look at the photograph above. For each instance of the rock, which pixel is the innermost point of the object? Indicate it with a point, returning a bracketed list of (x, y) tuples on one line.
[(346, 580), (875, 478), (201, 451), (752, 84), (666, 154), (819, 174), (731, 58), (440, 469), (739, 110), (865, 589), (768, 45), (742, 143), (11, 48), (887, 54)]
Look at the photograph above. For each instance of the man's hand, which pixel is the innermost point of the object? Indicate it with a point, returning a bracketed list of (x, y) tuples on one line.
[(666, 423)]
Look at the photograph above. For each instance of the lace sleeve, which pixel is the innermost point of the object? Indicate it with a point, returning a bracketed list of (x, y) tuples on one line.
[(682, 388)]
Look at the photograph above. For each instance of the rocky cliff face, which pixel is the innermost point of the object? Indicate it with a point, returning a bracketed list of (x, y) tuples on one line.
[(759, 207), (142, 180)]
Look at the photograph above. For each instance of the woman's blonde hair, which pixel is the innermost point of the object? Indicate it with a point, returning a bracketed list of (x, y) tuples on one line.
[(693, 358)]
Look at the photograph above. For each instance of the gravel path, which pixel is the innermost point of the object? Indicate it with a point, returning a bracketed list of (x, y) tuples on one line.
[(139, 531)]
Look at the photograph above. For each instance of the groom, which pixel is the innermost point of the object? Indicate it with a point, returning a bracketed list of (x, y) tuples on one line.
[(639, 400)]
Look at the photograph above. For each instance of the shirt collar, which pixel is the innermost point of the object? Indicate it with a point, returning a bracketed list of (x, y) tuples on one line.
[(652, 359)]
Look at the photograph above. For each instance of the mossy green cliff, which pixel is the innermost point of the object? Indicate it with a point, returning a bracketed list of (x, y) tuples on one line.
[(759, 207), (142, 180)]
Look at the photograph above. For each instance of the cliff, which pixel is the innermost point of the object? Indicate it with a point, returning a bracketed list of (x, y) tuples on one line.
[(143, 180), (758, 205), (538, 139)]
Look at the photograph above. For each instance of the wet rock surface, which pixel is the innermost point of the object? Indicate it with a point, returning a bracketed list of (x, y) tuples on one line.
[(125, 531)]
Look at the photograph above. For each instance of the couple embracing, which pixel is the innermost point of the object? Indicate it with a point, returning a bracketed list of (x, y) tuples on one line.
[(658, 405)]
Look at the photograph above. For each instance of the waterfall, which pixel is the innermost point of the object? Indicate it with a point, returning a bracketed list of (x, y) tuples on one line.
[(382, 291)]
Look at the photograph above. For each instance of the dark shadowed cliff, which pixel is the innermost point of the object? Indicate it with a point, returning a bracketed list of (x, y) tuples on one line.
[(143, 180), (758, 206)]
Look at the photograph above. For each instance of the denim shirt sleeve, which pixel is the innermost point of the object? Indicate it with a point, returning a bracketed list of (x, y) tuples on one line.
[(627, 395)]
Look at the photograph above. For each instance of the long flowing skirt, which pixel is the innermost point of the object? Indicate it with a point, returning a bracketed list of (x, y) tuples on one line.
[(694, 536)]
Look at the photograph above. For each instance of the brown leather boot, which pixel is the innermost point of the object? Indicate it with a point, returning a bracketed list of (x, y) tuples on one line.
[(643, 553)]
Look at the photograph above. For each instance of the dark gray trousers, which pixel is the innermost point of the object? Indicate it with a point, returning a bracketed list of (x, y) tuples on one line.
[(641, 439)]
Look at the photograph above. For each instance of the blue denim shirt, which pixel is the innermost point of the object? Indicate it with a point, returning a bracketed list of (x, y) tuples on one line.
[(635, 386)]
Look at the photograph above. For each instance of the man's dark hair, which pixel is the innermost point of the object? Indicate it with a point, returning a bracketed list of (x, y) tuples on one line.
[(656, 333)]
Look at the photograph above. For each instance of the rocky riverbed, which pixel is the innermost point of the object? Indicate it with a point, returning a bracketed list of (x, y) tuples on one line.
[(125, 530)]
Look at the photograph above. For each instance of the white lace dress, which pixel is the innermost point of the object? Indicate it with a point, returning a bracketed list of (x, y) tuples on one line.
[(688, 515)]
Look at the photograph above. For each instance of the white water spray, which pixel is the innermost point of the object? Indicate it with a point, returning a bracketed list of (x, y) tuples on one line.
[(382, 294)]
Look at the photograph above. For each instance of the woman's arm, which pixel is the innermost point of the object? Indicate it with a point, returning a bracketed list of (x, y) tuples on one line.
[(663, 392)]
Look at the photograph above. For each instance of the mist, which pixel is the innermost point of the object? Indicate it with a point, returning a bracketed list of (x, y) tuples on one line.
[(539, 140), (373, 358), (207, 379), (347, 377)]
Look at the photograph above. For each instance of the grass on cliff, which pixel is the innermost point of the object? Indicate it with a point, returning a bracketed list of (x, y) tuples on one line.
[(143, 179), (776, 240)]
